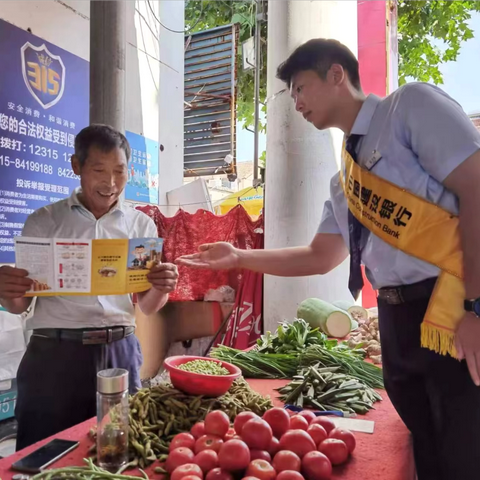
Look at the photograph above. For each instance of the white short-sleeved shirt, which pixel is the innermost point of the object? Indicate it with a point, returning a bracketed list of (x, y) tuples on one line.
[(420, 135), (70, 219)]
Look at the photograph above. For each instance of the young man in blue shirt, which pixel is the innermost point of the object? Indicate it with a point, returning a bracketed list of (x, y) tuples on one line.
[(420, 140)]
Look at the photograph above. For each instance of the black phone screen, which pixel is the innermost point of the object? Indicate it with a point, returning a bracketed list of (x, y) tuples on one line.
[(44, 456)]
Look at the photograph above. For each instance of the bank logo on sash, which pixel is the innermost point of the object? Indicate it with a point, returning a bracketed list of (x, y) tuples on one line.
[(43, 73)]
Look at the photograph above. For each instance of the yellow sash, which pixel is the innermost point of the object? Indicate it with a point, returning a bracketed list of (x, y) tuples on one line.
[(420, 229)]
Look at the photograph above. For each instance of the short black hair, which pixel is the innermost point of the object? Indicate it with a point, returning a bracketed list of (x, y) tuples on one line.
[(103, 137), (319, 54)]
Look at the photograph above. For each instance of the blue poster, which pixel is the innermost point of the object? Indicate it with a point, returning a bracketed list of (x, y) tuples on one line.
[(44, 102), (142, 183)]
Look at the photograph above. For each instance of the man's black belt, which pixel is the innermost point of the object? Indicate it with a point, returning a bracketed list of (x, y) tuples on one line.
[(88, 336), (407, 293)]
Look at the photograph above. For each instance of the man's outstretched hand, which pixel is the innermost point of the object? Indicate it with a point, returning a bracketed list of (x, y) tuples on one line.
[(216, 256)]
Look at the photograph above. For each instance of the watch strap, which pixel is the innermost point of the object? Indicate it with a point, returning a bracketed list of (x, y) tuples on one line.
[(472, 306)]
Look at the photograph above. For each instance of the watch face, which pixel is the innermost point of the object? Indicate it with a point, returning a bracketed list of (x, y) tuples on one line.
[(476, 307)]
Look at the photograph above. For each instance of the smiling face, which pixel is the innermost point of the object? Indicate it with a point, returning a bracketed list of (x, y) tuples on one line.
[(103, 177), (316, 99)]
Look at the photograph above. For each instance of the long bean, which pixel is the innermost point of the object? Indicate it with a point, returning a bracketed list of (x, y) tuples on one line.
[(89, 472), (156, 414)]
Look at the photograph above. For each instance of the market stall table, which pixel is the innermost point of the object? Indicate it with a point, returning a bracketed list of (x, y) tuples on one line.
[(384, 455)]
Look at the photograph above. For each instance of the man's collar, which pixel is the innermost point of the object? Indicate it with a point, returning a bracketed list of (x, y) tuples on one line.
[(74, 201), (365, 115)]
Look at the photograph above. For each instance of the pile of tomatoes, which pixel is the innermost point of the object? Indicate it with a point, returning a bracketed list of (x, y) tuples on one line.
[(274, 447)]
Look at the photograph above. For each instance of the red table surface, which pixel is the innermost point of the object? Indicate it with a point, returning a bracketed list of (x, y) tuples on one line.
[(384, 455)]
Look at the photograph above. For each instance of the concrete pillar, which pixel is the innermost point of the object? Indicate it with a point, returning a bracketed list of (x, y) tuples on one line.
[(300, 159), (107, 62), (170, 100)]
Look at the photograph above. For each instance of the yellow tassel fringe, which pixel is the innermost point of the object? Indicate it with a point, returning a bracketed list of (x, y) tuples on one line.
[(438, 340)]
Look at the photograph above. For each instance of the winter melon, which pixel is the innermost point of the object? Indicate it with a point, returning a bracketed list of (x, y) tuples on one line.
[(342, 305), (355, 311), (333, 321)]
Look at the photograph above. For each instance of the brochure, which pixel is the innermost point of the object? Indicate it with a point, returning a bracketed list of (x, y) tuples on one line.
[(60, 266)]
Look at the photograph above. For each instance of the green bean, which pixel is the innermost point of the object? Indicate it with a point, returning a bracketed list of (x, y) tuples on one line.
[(157, 414), (205, 367), (90, 471)]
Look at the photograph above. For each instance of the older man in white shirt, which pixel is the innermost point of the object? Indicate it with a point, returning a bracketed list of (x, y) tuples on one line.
[(76, 336)]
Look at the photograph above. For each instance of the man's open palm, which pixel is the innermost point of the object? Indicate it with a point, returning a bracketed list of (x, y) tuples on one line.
[(217, 256)]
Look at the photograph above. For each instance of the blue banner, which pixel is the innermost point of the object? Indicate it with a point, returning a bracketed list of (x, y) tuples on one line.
[(44, 102), (142, 183)]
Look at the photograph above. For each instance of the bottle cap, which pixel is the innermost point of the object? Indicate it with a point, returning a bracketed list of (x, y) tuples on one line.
[(113, 380)]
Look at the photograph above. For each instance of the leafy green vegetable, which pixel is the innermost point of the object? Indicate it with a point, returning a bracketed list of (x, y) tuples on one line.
[(290, 337), (259, 365), (296, 345)]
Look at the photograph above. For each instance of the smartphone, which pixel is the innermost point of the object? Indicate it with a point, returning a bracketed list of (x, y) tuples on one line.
[(44, 456)]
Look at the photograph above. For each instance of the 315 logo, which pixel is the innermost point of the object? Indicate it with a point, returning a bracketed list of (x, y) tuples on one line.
[(43, 73)]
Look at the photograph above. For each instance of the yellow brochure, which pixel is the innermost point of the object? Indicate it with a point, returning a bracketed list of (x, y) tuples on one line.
[(61, 266)]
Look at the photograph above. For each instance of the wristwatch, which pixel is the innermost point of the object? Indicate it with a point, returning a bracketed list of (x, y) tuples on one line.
[(472, 306)]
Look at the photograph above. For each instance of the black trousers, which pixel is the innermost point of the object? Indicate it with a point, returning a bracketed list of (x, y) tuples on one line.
[(56, 383), (433, 394)]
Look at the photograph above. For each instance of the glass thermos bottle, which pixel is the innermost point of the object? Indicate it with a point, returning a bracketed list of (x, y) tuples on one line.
[(112, 418)]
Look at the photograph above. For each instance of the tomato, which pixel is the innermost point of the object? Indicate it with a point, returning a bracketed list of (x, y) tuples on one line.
[(316, 466), (317, 432), (233, 456), (297, 422), (297, 441), (191, 477), (241, 419), (230, 435), (217, 423), (274, 447), (290, 475), (208, 442), (278, 419), (325, 422), (182, 440), (336, 450), (198, 430), (207, 460), (262, 454), (190, 469), (176, 458), (345, 436), (257, 434), (218, 474), (308, 415), (286, 460), (261, 469)]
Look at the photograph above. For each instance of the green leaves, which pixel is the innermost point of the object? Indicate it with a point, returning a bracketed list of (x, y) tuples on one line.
[(431, 33), (291, 337)]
